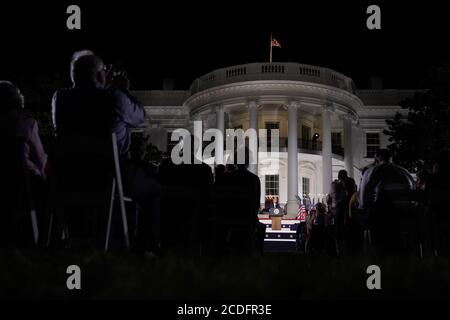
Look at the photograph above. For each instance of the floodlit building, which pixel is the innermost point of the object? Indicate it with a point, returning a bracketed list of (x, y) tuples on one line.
[(325, 124)]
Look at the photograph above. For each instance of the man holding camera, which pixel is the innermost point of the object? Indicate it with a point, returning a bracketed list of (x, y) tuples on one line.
[(99, 104)]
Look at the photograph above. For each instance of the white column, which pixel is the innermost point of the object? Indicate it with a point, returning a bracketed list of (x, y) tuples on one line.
[(326, 149), (220, 125), (292, 206), (253, 143), (348, 143), (198, 138)]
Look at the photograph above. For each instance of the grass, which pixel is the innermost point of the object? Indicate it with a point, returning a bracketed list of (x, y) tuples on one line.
[(42, 275)]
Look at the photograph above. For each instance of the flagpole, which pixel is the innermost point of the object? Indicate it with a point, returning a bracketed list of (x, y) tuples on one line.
[(270, 48)]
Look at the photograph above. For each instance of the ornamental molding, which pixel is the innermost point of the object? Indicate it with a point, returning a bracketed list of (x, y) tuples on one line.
[(274, 91)]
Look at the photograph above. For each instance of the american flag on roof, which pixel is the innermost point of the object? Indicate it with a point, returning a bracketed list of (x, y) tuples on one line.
[(275, 43)]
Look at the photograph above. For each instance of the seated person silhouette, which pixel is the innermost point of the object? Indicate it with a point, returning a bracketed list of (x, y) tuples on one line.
[(236, 201), (97, 106), (185, 203), (16, 124), (389, 197)]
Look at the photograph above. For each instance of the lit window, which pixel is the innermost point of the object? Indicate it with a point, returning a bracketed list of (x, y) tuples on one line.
[(305, 187), (372, 144), (272, 187)]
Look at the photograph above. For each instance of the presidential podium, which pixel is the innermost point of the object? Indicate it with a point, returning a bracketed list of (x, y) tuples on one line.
[(276, 214)]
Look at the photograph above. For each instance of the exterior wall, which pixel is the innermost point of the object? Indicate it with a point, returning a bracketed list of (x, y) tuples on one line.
[(308, 167), (173, 109)]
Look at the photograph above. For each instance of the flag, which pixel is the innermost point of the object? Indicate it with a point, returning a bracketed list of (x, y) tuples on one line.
[(301, 213), (275, 43)]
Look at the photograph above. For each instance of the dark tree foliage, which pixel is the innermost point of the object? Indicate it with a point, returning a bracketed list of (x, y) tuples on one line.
[(417, 140)]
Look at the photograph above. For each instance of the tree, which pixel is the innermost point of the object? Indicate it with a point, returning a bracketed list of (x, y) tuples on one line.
[(417, 140)]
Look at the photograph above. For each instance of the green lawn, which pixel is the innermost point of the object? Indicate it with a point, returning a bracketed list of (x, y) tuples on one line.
[(273, 276)]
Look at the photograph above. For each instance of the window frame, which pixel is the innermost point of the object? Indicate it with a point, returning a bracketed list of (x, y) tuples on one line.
[(270, 184), (375, 144), (308, 180)]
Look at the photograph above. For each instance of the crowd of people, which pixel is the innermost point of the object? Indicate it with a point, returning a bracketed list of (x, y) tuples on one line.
[(189, 208), (178, 207), (391, 212)]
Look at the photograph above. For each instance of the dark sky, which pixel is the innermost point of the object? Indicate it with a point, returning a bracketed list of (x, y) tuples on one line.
[(185, 39)]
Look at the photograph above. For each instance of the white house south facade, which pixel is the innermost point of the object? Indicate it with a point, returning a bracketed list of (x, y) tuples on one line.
[(324, 123)]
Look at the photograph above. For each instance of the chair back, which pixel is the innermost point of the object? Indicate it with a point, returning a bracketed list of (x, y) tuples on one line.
[(84, 168), (84, 172)]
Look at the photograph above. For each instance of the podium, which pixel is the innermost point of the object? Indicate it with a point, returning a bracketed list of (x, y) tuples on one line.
[(276, 223), (276, 215)]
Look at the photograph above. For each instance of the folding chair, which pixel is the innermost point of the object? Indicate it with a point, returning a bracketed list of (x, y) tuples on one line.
[(87, 174), (117, 182), (15, 188)]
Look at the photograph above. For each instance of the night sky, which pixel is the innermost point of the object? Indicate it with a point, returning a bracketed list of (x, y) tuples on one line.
[(185, 39)]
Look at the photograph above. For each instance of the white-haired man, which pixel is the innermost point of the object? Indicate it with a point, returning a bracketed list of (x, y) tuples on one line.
[(94, 108)]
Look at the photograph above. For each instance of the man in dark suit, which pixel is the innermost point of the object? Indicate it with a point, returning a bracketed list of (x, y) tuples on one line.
[(93, 108)]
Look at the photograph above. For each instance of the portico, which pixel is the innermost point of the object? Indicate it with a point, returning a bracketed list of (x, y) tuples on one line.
[(313, 108)]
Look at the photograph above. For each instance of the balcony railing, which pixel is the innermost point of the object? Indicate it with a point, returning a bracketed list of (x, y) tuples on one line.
[(314, 146), (273, 71), (302, 145)]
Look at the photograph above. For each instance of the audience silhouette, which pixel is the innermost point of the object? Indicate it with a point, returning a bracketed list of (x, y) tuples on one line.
[(439, 193), (185, 208), (22, 178), (185, 204), (389, 195), (236, 203), (98, 106)]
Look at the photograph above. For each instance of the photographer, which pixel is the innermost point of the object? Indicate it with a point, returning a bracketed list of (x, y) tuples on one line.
[(99, 103)]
